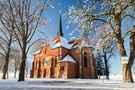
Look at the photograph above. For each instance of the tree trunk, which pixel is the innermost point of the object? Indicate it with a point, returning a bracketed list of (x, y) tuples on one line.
[(127, 73), (107, 73), (106, 66), (15, 73), (26, 73), (7, 74), (126, 68), (23, 60), (5, 68), (22, 68)]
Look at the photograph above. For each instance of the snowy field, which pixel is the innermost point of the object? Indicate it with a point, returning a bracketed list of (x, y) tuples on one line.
[(61, 84), (115, 83)]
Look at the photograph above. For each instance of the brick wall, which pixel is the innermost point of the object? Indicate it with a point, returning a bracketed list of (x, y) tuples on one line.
[(72, 73), (73, 69)]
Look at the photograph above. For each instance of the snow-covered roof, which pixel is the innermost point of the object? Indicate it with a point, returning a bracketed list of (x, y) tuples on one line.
[(62, 42), (85, 43), (82, 44), (44, 44), (68, 58), (37, 52)]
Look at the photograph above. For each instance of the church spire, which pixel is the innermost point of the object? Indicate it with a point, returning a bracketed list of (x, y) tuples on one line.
[(60, 32)]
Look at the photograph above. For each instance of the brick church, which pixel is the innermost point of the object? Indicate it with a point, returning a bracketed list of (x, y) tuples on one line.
[(62, 59)]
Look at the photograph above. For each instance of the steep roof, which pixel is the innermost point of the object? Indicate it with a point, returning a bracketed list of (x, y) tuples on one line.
[(68, 58), (60, 32), (60, 41), (79, 42)]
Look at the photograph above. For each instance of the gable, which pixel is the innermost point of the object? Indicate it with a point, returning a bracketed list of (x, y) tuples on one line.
[(68, 58)]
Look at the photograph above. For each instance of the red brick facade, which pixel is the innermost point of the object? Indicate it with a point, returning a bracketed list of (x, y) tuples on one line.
[(49, 63)]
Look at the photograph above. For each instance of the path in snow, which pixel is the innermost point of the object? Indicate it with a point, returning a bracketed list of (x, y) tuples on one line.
[(70, 84)]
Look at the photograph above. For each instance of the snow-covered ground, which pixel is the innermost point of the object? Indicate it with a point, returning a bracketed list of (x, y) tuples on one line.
[(115, 83), (61, 84)]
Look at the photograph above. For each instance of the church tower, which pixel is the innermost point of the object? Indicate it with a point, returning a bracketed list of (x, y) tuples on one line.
[(60, 32)]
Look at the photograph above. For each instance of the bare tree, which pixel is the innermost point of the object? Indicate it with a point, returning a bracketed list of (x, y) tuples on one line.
[(113, 13), (38, 45), (99, 65), (105, 43), (25, 17), (15, 60), (1, 62), (5, 47)]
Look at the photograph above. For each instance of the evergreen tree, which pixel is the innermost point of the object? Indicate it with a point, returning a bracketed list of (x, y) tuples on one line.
[(100, 65)]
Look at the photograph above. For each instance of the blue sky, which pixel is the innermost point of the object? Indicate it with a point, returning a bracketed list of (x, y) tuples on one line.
[(52, 15)]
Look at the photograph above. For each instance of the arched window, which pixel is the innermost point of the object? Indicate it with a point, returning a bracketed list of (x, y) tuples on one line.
[(45, 51), (85, 59), (44, 62), (52, 62), (91, 60), (55, 61), (61, 68), (37, 64)]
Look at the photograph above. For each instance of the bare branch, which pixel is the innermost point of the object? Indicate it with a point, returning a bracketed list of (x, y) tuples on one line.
[(2, 54), (34, 43), (131, 16)]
